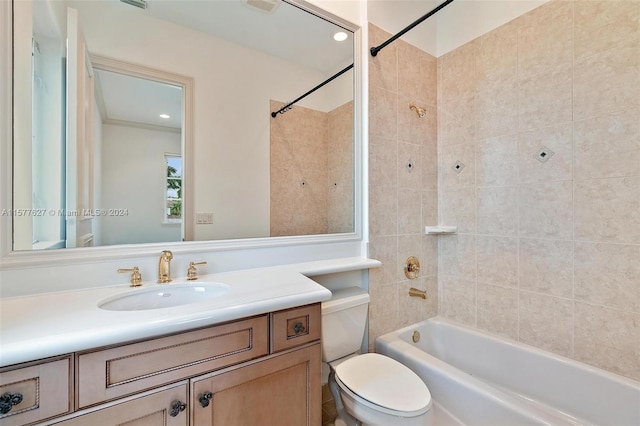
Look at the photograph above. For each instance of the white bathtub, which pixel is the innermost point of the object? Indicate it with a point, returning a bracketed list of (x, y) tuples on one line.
[(484, 379)]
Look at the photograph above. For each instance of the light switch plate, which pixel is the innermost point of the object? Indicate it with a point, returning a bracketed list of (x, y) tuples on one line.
[(204, 218)]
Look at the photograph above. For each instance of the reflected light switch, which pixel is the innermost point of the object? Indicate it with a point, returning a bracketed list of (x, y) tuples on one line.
[(204, 218)]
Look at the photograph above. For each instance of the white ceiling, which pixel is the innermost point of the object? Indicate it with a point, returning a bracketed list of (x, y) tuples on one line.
[(454, 25), (136, 100), (288, 32)]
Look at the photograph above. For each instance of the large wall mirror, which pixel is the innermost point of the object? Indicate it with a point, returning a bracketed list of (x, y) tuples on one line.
[(150, 122)]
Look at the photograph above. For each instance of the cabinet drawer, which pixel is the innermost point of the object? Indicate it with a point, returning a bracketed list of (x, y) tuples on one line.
[(43, 387), (115, 372), (294, 327)]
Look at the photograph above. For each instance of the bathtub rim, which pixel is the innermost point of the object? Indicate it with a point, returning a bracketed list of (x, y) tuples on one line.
[(404, 334)]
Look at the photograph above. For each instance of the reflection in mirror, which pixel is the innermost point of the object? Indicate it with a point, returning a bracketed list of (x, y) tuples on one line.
[(245, 175), (141, 141)]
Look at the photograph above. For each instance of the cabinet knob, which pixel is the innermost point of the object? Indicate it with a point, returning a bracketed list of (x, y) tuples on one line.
[(205, 398), (8, 400), (298, 328), (177, 407)]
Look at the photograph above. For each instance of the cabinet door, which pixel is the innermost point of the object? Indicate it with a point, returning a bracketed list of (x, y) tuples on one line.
[(281, 390), (168, 406)]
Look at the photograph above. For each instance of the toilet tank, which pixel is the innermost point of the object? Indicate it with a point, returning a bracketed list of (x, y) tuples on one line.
[(344, 317)]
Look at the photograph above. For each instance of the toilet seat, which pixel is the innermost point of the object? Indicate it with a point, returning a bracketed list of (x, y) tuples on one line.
[(383, 384)]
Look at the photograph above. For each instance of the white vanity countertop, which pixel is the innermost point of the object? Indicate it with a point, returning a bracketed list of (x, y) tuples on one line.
[(43, 325)]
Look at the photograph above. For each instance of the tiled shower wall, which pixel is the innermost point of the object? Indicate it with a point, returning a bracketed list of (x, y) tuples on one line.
[(539, 167), (311, 171), (402, 183)]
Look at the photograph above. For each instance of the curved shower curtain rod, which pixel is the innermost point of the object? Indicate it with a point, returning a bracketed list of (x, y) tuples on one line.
[(374, 50), (287, 107)]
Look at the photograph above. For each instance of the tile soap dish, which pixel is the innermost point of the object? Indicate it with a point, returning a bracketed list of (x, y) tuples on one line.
[(435, 230)]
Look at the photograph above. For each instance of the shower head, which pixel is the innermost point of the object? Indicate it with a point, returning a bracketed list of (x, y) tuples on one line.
[(419, 110)]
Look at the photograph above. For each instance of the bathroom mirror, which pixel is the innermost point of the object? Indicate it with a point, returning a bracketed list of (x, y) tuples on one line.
[(230, 171)]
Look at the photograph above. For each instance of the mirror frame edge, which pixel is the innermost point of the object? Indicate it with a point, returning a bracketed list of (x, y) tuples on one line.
[(10, 259)]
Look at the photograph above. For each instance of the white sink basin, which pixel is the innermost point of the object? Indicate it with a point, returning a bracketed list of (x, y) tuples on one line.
[(164, 296)]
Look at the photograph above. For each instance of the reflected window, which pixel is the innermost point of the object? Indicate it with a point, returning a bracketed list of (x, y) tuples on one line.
[(173, 192)]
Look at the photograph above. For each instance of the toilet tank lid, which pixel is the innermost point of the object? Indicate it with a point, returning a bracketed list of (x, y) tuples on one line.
[(344, 299)]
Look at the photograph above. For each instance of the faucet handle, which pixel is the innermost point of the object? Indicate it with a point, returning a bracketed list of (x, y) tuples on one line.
[(192, 273), (136, 276)]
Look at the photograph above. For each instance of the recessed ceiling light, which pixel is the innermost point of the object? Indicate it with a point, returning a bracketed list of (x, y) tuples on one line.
[(340, 36), (165, 116)]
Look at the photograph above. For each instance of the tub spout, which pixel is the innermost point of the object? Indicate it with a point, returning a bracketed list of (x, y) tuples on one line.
[(414, 292)]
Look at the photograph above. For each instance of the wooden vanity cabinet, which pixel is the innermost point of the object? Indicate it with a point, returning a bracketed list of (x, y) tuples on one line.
[(36, 391), (262, 370), (284, 390), (165, 406)]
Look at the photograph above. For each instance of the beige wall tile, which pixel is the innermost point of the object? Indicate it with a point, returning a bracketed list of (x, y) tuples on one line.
[(497, 108), (569, 72), (409, 177), (497, 261), (558, 139), (607, 81), (414, 309), (459, 299), (545, 38), (429, 170), (383, 160), (495, 165), (546, 322), (409, 211), (458, 208), (383, 68), (498, 310), (546, 266), (497, 210), (546, 210), (429, 209), (456, 119), (608, 210), (608, 339), (497, 55), (383, 210), (458, 256), (383, 311), (410, 308), (448, 157), (458, 76), (608, 275), (417, 76), (546, 98), (412, 128), (383, 112), (408, 245), (608, 146), (430, 306), (605, 25), (429, 256), (384, 249)]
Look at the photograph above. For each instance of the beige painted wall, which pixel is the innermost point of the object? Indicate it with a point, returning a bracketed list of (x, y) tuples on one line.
[(548, 253)]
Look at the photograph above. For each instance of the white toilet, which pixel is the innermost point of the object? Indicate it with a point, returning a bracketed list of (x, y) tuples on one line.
[(368, 389)]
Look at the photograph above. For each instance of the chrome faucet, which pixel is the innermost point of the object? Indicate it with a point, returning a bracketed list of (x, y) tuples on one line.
[(164, 267)]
